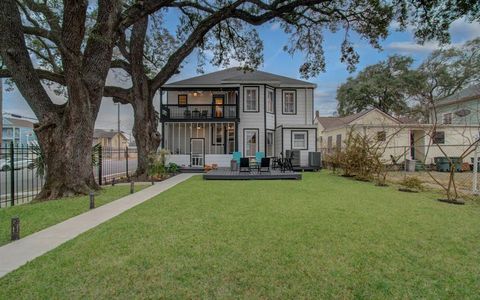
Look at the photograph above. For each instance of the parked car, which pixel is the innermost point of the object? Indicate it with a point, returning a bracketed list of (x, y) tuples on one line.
[(18, 163)]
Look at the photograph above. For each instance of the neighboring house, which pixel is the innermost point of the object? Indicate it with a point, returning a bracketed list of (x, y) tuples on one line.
[(110, 139), (18, 131), (401, 138), (206, 118), (462, 107)]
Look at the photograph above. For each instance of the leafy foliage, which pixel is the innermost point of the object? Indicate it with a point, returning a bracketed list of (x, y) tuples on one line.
[(384, 85)]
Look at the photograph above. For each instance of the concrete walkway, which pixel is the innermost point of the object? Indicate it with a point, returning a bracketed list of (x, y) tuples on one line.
[(18, 253)]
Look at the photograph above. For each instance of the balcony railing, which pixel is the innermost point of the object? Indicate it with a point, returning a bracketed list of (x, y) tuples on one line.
[(199, 112)]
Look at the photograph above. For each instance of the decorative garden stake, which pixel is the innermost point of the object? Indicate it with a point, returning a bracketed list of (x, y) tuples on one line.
[(15, 234), (92, 200), (132, 187)]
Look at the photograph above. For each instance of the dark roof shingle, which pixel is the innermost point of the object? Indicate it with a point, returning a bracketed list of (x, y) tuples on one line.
[(237, 75)]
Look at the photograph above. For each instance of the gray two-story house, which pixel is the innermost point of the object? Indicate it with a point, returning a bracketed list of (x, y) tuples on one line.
[(461, 108), (205, 119)]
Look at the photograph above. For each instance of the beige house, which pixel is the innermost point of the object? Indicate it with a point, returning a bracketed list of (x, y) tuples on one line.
[(110, 139), (400, 138)]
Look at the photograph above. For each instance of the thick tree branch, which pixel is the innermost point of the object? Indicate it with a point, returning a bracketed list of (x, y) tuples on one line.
[(15, 54), (42, 74), (119, 95)]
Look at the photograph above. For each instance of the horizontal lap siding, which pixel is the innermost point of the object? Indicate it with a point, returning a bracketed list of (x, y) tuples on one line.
[(304, 115), (287, 143), (252, 120)]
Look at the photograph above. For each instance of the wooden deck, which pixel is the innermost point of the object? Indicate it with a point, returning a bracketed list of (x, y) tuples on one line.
[(227, 174)]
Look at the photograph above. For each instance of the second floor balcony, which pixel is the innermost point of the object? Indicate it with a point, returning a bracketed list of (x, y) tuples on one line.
[(199, 112)]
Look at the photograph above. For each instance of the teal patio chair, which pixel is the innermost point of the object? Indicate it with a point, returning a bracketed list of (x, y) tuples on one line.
[(259, 156), (236, 156)]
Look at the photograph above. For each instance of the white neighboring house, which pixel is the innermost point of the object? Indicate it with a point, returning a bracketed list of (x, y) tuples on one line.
[(402, 138), (206, 118)]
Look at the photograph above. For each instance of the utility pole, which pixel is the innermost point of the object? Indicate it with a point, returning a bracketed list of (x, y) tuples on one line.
[(118, 129), (1, 110)]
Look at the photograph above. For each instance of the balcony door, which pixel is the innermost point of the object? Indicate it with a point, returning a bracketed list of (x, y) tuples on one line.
[(218, 102)]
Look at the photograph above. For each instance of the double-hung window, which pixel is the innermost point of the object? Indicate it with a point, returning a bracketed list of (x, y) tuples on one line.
[(447, 118), (299, 140), (289, 103), (250, 103), (182, 100), (438, 137), (270, 108)]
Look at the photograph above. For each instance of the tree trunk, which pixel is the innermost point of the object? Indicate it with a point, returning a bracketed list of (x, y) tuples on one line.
[(145, 132), (66, 143)]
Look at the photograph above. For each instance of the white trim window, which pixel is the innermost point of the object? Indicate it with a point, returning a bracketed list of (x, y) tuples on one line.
[(251, 99), (251, 142), (447, 118), (289, 102), (299, 140), (270, 97), (270, 143)]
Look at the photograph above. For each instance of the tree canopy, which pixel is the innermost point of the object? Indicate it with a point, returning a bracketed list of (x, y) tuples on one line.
[(384, 85)]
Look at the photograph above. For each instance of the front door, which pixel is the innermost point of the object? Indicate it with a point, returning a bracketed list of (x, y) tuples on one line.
[(218, 101), (197, 155)]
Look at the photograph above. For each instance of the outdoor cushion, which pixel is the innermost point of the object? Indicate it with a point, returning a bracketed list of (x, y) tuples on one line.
[(236, 156)]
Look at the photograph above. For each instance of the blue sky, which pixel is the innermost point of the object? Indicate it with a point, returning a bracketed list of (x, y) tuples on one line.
[(279, 62)]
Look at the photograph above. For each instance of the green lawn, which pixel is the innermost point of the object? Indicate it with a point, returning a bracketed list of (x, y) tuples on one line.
[(37, 216), (322, 237)]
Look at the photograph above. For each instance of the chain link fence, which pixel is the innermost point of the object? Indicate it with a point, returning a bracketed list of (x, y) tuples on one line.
[(431, 164)]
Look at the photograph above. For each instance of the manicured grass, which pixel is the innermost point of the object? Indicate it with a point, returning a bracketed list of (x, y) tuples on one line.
[(37, 216), (322, 237)]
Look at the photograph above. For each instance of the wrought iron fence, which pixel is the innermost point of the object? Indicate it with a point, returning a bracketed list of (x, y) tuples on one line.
[(22, 173), (115, 164)]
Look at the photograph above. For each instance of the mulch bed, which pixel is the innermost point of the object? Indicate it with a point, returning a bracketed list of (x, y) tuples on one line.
[(452, 201)]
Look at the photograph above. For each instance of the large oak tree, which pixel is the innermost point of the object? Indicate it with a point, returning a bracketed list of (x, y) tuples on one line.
[(77, 38)]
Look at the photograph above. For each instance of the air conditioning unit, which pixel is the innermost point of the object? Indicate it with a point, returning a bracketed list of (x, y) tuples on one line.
[(315, 159)]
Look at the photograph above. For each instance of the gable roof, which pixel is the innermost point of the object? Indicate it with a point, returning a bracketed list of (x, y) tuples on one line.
[(236, 75), (334, 122), (20, 123), (470, 93), (102, 133)]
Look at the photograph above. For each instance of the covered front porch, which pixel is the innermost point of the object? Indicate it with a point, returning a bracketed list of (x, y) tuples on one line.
[(196, 144)]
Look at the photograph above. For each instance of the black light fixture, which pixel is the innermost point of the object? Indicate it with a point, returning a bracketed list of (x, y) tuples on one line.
[(15, 229), (92, 200)]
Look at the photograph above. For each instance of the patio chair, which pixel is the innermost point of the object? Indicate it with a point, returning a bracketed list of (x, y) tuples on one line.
[(244, 164), (259, 156), (187, 113), (265, 164), (204, 114), (236, 156)]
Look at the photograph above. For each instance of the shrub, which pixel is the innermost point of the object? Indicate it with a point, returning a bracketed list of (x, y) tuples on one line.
[(412, 182), (172, 168)]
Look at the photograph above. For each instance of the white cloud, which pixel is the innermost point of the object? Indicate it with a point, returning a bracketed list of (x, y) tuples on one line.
[(275, 26), (412, 47), (465, 30)]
